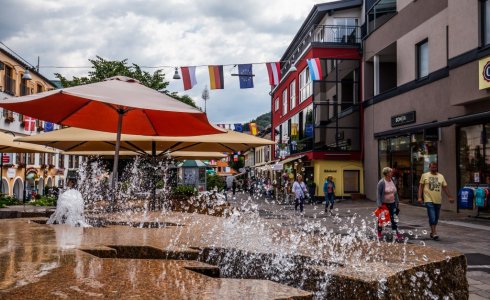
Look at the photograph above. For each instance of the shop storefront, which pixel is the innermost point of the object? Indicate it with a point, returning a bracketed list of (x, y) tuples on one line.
[(473, 166), (409, 156)]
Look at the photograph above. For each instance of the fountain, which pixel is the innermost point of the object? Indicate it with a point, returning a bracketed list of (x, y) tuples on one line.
[(247, 252)]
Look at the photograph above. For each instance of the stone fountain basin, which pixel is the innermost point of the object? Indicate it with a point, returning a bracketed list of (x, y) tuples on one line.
[(176, 262)]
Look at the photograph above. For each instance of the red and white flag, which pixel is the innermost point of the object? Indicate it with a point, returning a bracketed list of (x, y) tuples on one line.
[(188, 77), (274, 71), (29, 124)]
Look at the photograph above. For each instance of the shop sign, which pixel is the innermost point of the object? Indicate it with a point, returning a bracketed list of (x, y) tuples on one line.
[(403, 119), (6, 158), (484, 73), (431, 134), (277, 167), (329, 171), (11, 172)]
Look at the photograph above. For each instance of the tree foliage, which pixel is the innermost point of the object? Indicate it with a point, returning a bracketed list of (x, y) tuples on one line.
[(102, 69)]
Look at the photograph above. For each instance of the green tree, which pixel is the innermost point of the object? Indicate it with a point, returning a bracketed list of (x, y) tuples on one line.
[(102, 69)]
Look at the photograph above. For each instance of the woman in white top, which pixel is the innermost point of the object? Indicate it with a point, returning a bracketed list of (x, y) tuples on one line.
[(299, 190), (387, 195)]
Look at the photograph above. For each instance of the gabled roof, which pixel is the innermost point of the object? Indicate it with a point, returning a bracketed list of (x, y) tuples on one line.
[(315, 16)]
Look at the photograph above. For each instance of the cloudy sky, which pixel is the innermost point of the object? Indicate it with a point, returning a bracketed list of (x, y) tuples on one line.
[(160, 33)]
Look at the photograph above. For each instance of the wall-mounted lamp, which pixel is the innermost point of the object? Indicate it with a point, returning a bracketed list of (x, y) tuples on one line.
[(176, 74), (293, 68)]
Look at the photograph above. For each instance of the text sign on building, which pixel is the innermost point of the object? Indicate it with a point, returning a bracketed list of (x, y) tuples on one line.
[(403, 119), (11, 172), (6, 158), (484, 73)]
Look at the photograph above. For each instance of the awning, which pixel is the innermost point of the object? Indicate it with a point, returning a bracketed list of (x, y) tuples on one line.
[(291, 159)]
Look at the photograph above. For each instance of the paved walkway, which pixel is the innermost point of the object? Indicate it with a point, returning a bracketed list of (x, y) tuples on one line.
[(457, 231)]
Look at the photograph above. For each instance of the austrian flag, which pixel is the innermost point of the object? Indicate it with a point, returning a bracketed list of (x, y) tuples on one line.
[(188, 77), (274, 71)]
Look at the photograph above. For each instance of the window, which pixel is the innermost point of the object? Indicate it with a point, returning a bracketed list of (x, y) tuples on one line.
[(42, 157), (285, 102), (485, 22), (276, 104), (31, 158), (61, 162), (305, 89), (39, 88), (292, 95), (423, 59)]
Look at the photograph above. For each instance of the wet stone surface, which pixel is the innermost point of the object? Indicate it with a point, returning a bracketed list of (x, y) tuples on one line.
[(205, 257)]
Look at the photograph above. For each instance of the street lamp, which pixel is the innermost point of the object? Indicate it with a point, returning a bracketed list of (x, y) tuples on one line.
[(176, 74), (205, 96), (27, 75)]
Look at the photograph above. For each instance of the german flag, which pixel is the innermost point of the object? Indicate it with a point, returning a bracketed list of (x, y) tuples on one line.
[(216, 77)]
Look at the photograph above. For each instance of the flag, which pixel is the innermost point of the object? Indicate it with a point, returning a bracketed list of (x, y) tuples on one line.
[(238, 127), (294, 129), (48, 126), (235, 157), (188, 77), (315, 69), (245, 76), (216, 77), (274, 71), (29, 124), (253, 128)]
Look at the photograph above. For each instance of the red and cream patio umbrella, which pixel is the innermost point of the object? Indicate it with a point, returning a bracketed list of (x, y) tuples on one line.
[(119, 105)]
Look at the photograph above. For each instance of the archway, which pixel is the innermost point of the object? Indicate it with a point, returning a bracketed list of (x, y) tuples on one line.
[(18, 189), (49, 182), (40, 186), (5, 186)]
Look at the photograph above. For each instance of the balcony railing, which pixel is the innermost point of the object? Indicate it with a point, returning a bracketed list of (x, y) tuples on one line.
[(9, 85), (337, 34)]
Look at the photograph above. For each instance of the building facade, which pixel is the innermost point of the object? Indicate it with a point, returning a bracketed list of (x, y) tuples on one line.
[(317, 123), (425, 86), (30, 172)]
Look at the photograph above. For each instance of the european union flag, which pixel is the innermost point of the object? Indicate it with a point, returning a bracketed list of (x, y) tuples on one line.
[(48, 126), (245, 75), (238, 127)]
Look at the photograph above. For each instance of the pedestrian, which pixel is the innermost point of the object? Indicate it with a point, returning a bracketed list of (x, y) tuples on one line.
[(229, 185), (387, 195), (431, 184), (299, 190), (233, 187), (329, 191), (312, 190)]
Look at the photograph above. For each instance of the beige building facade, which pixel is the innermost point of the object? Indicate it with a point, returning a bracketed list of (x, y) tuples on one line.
[(421, 97)]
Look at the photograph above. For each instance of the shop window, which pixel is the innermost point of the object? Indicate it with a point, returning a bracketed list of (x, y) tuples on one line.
[(472, 146), (351, 181)]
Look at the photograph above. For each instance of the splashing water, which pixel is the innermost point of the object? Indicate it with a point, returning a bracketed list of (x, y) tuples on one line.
[(69, 210)]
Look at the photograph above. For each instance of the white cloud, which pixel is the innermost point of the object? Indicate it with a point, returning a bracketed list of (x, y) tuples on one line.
[(155, 33)]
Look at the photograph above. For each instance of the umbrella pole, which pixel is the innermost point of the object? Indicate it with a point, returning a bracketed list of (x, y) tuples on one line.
[(153, 177), (116, 156)]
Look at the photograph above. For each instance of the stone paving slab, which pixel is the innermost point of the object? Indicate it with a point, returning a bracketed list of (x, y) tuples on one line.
[(46, 260)]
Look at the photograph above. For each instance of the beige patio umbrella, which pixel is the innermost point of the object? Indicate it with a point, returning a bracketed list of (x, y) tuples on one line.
[(84, 140), (177, 155), (8, 145)]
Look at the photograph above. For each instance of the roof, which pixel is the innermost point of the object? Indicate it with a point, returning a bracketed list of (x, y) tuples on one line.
[(315, 16), (31, 68), (193, 164)]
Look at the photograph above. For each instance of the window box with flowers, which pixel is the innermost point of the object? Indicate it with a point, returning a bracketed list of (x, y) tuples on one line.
[(21, 165), (43, 166), (50, 166)]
